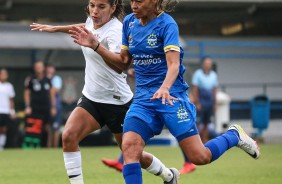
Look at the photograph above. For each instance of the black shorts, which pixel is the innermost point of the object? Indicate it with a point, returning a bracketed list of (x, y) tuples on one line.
[(204, 116), (4, 119), (106, 114), (43, 115)]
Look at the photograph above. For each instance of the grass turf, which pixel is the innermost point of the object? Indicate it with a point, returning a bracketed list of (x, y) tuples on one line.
[(45, 166)]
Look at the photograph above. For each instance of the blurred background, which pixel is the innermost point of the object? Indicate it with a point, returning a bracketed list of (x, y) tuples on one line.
[(244, 38)]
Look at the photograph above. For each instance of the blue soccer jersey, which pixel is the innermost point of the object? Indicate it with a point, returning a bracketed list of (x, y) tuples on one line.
[(147, 45)]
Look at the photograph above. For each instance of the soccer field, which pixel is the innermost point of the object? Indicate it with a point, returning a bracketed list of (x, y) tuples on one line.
[(45, 166)]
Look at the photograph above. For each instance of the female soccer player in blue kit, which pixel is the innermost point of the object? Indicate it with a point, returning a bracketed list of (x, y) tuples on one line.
[(151, 40)]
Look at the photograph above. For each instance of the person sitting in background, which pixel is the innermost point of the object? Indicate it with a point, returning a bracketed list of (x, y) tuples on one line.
[(7, 105)]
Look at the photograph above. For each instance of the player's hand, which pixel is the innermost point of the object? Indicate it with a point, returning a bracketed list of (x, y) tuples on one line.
[(42, 28), (53, 111), (198, 106), (163, 93), (28, 111), (83, 37), (13, 116)]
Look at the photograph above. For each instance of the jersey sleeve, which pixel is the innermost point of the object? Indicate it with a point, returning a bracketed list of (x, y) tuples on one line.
[(171, 38), (57, 82), (12, 93), (27, 83), (125, 36), (114, 40)]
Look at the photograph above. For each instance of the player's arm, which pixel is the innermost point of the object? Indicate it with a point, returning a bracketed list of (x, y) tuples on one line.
[(53, 101), (26, 95), (214, 97), (54, 29), (195, 90), (85, 38), (27, 101), (12, 108), (173, 63)]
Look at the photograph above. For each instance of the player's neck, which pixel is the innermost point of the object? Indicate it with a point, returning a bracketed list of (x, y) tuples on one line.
[(145, 20)]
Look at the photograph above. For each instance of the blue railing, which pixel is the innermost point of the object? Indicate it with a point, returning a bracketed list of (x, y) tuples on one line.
[(203, 45)]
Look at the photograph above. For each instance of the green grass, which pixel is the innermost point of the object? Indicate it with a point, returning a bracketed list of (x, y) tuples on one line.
[(45, 166)]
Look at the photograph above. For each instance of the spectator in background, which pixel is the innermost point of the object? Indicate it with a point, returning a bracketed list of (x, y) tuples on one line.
[(40, 102), (204, 89), (7, 106), (56, 81)]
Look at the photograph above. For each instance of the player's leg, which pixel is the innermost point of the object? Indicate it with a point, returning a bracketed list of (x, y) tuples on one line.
[(150, 163), (2, 137), (114, 163), (188, 166), (186, 132), (139, 127), (4, 118), (201, 154), (56, 128), (79, 125)]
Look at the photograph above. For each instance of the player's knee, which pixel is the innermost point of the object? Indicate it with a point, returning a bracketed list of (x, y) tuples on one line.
[(68, 138), (200, 159), (132, 148)]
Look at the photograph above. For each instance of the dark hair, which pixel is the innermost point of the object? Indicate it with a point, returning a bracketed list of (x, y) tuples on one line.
[(203, 59), (3, 69), (166, 5), (119, 12)]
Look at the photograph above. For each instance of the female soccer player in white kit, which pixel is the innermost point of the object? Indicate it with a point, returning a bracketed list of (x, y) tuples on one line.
[(106, 95)]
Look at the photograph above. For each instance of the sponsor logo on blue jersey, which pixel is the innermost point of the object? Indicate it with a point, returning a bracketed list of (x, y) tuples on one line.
[(145, 60)]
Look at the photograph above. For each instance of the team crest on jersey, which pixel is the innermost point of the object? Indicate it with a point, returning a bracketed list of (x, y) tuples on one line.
[(182, 114), (152, 40)]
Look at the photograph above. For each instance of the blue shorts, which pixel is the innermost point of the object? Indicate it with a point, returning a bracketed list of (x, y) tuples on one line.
[(148, 117)]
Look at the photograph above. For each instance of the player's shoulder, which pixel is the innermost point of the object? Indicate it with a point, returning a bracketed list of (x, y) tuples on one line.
[(115, 23), (114, 27), (166, 18), (129, 18)]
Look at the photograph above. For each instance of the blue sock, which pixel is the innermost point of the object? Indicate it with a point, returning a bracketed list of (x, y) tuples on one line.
[(222, 143), (132, 173), (120, 159)]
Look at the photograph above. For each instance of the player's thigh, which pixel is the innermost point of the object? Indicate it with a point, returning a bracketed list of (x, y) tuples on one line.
[(80, 123), (179, 118), (142, 120)]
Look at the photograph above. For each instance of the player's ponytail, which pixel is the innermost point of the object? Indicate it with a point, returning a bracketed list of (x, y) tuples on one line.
[(119, 12), (166, 5)]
